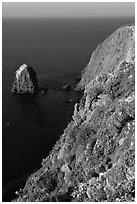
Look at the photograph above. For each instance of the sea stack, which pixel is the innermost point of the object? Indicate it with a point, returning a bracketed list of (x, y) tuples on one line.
[(25, 81)]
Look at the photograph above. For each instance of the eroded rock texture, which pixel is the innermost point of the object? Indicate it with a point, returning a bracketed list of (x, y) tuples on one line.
[(25, 80), (118, 47), (94, 158)]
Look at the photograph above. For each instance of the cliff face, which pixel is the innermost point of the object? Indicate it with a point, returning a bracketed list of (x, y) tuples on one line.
[(118, 47), (94, 158)]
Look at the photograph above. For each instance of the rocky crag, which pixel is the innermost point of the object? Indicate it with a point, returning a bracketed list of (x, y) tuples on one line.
[(116, 48), (25, 81), (94, 158)]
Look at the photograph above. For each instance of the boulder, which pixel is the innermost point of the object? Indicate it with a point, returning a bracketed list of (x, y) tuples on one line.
[(68, 101), (67, 87), (25, 80), (43, 90)]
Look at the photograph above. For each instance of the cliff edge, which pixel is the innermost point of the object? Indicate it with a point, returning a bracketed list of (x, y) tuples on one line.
[(118, 47), (94, 158)]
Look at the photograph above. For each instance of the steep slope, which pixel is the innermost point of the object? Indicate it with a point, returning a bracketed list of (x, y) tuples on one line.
[(118, 47), (94, 158)]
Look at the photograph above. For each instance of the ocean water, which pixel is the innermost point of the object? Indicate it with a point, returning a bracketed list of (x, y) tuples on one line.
[(58, 50)]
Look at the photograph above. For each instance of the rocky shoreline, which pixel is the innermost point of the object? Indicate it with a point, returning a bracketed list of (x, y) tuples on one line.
[(94, 159)]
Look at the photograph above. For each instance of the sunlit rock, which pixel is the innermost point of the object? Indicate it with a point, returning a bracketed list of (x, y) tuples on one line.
[(25, 80)]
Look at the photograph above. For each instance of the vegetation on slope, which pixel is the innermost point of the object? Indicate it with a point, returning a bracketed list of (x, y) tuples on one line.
[(94, 158)]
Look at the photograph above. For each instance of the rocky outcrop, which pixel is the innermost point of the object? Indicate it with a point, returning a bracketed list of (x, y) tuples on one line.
[(94, 160), (43, 90), (25, 80), (118, 47), (67, 87)]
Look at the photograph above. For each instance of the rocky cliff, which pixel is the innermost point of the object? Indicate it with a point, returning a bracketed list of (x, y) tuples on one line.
[(94, 158), (118, 47)]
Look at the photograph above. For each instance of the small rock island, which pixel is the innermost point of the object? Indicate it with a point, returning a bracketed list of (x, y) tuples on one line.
[(25, 81), (94, 159), (67, 87)]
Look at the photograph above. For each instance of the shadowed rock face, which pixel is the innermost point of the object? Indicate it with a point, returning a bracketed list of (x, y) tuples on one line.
[(25, 80), (94, 160)]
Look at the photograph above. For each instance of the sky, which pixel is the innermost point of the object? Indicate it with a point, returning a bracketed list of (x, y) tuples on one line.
[(67, 9)]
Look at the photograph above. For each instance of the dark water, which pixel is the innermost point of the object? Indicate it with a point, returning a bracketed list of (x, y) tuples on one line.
[(58, 50)]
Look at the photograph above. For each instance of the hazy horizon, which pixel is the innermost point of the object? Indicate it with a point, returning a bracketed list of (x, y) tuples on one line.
[(68, 9)]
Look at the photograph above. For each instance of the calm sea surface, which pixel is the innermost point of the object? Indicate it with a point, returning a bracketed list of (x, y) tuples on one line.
[(58, 50)]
